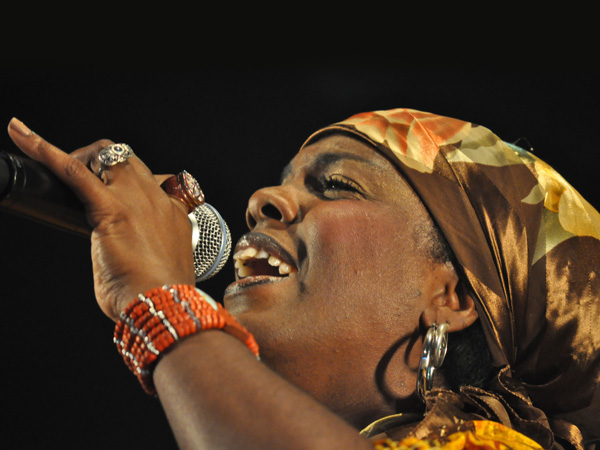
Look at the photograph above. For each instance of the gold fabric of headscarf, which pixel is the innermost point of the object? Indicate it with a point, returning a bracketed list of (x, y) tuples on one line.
[(529, 246)]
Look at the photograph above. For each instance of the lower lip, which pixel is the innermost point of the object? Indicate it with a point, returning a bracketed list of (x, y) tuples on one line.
[(248, 282)]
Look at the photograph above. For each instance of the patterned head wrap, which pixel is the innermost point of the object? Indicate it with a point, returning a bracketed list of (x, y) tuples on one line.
[(529, 246)]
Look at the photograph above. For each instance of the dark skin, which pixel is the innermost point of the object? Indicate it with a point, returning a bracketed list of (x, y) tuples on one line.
[(323, 329)]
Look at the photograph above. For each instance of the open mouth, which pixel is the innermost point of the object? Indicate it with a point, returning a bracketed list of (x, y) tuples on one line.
[(260, 256)]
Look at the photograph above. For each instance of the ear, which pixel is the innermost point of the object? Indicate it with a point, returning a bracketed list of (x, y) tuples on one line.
[(448, 301)]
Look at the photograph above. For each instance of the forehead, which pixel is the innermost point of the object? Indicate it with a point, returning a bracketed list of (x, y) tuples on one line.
[(340, 148)]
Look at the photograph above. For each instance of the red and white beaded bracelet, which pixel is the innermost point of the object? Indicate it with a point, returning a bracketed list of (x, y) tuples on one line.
[(159, 318)]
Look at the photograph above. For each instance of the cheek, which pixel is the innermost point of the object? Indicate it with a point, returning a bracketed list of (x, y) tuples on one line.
[(367, 250)]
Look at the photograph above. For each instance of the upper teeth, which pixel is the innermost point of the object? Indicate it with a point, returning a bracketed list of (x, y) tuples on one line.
[(243, 256)]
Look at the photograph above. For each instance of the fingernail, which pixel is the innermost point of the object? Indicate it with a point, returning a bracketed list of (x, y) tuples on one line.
[(20, 127)]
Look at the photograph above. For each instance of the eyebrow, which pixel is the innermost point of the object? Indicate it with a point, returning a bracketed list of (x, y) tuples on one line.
[(327, 159)]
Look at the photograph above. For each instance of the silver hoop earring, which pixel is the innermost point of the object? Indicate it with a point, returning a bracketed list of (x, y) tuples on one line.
[(432, 357)]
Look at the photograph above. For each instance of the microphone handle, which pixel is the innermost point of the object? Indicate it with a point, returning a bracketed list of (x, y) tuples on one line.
[(30, 190)]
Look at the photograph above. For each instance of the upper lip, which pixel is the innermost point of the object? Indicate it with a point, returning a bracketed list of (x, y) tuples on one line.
[(261, 241)]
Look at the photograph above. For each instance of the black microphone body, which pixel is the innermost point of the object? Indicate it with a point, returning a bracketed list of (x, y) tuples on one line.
[(29, 189)]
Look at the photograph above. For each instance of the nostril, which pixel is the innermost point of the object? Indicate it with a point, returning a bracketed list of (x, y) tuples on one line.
[(272, 212), (250, 221), (272, 204)]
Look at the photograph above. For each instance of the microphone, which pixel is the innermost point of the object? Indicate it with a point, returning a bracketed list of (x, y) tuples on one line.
[(29, 189)]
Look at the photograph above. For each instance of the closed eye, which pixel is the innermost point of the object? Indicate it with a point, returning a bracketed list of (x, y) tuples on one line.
[(339, 182), (334, 186)]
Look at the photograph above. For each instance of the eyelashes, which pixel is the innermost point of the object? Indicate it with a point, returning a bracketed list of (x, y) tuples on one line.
[(332, 186), (337, 183)]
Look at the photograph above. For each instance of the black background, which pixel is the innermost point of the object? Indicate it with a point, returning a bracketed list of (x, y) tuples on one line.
[(234, 128)]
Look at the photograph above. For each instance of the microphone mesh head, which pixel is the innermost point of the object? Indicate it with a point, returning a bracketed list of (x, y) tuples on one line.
[(211, 241)]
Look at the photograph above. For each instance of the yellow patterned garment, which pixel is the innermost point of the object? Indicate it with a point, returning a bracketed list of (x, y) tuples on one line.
[(484, 435)]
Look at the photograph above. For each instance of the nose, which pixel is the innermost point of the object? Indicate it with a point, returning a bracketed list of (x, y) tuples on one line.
[(276, 204)]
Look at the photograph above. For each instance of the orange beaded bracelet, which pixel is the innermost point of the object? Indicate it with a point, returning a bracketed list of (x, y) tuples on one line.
[(156, 320)]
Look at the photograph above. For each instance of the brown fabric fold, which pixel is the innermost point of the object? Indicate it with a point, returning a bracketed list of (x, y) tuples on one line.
[(529, 246)]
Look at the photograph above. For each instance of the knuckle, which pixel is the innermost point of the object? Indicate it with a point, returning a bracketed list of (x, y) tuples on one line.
[(73, 168), (42, 146), (106, 142), (102, 143)]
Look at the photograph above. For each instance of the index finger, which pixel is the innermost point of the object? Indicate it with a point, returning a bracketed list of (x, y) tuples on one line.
[(71, 171)]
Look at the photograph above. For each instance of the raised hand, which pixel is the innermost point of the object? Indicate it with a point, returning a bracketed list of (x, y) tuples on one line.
[(141, 236)]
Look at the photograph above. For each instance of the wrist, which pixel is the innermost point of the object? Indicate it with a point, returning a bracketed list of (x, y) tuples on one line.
[(158, 319), (124, 296)]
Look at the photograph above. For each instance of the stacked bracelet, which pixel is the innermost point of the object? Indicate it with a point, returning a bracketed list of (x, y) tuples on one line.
[(158, 319)]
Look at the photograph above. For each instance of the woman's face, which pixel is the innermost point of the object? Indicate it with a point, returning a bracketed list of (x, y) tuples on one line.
[(332, 276)]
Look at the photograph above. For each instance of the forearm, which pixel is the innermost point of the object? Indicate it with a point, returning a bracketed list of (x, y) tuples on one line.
[(216, 395)]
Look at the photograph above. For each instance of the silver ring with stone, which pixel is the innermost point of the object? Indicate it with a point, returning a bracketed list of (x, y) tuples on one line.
[(112, 155)]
